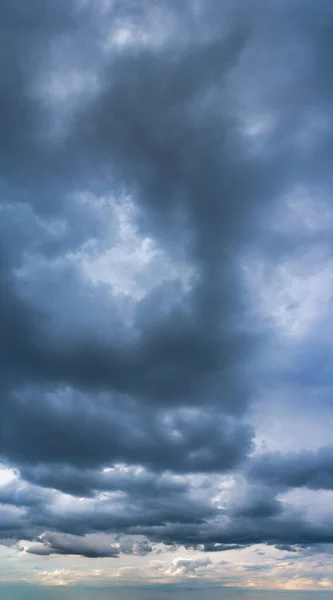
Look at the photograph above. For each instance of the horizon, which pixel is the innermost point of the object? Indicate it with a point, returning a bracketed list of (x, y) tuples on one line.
[(151, 592)]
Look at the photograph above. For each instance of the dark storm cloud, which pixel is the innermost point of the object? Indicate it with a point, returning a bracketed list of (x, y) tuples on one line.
[(17, 493), (217, 535), (130, 504), (85, 482), (254, 502), (97, 431), (80, 389), (148, 125), (160, 513), (32, 34), (310, 469), (92, 546), (287, 528)]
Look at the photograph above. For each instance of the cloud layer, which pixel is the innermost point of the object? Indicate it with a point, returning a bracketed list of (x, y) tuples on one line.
[(164, 167)]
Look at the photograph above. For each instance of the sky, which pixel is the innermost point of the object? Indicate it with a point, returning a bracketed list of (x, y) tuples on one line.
[(166, 286)]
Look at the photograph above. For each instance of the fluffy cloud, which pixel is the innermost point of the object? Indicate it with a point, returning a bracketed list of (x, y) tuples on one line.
[(185, 566)]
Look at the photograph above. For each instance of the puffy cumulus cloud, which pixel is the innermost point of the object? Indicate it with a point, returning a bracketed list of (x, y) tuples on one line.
[(142, 162), (187, 566), (273, 571)]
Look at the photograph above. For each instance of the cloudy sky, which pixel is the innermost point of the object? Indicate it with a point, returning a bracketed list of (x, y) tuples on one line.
[(166, 286)]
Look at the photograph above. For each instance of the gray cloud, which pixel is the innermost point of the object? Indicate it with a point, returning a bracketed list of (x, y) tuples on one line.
[(192, 351), (91, 546), (311, 469), (254, 502), (97, 432), (167, 389), (135, 500), (168, 513), (236, 533), (187, 565)]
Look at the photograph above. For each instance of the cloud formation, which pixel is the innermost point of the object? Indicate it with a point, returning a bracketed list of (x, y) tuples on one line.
[(145, 153), (310, 469)]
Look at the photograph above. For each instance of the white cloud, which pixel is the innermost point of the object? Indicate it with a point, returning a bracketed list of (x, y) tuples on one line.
[(293, 291), (133, 264), (7, 474), (188, 566), (294, 295), (303, 212)]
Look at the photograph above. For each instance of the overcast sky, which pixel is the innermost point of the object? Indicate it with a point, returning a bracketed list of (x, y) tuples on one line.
[(166, 286)]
